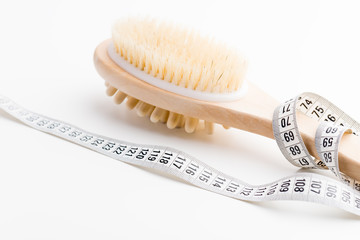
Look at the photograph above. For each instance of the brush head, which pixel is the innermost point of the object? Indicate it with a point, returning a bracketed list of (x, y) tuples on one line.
[(177, 57)]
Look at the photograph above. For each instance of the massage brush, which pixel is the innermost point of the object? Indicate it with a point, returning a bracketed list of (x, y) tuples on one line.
[(179, 77)]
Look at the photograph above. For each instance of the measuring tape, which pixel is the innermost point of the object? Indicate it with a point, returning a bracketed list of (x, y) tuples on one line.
[(334, 123), (303, 186)]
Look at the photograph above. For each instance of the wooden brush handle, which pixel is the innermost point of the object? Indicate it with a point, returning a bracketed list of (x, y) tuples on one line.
[(251, 113)]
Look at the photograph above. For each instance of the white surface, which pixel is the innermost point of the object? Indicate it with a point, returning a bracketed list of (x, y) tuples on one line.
[(52, 189)]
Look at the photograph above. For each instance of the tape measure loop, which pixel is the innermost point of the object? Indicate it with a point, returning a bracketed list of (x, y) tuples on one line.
[(288, 137), (333, 124), (327, 141)]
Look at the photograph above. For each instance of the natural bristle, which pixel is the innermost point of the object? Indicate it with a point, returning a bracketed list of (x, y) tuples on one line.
[(179, 56)]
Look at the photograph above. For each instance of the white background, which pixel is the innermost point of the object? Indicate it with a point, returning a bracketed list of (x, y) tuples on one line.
[(52, 189)]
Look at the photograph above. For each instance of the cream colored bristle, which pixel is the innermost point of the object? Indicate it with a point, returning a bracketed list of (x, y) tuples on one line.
[(181, 122), (110, 90), (209, 127), (142, 108), (179, 56), (191, 124), (173, 120), (156, 114), (150, 110), (119, 97), (165, 116), (131, 102)]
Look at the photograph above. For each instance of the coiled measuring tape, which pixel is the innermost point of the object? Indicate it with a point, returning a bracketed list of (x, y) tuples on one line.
[(302, 186), (334, 123)]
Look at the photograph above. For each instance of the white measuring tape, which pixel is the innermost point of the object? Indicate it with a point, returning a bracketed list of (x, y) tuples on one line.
[(303, 186)]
